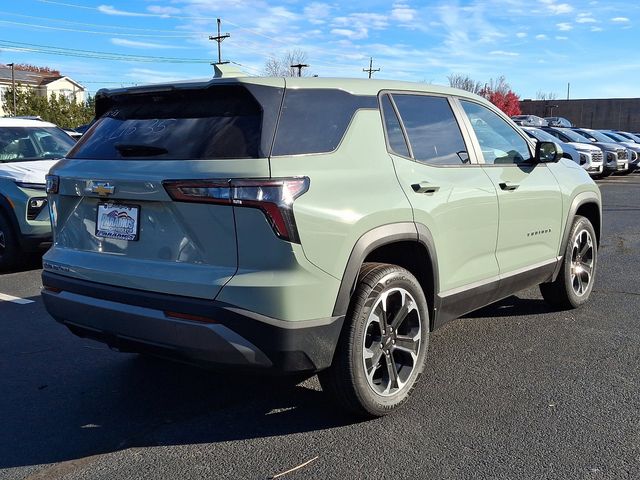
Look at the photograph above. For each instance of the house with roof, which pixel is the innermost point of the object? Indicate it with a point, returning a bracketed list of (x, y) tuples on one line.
[(45, 84)]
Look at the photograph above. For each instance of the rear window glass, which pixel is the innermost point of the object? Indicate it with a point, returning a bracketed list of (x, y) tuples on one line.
[(214, 123), (315, 120)]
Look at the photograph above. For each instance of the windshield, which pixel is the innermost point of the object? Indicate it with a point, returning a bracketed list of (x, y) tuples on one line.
[(630, 136), (616, 137), (574, 136), (600, 137), (541, 135), (20, 144)]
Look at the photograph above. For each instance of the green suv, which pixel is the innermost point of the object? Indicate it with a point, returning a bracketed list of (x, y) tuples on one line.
[(308, 225)]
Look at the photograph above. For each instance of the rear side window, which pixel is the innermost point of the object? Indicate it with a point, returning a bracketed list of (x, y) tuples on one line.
[(224, 121), (394, 130), (315, 120), (432, 129)]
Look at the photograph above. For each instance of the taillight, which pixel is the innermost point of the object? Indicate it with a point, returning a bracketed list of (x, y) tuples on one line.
[(274, 197), (53, 183)]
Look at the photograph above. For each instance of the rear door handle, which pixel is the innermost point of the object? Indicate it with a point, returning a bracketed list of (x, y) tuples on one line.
[(425, 187), (509, 186)]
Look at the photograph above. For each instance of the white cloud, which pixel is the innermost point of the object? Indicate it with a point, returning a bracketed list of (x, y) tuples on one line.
[(317, 12), (110, 10), (504, 53), (585, 18), (596, 29), (559, 37), (557, 8), (123, 42), (402, 12), (620, 19), (351, 34), (564, 26), (157, 9), (542, 36), (521, 34), (283, 13)]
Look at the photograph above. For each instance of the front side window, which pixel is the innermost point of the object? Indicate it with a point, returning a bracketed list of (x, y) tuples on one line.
[(499, 142), (432, 129)]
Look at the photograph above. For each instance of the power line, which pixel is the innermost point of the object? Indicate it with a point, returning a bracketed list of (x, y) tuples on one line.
[(71, 52), (99, 25), (94, 32), (162, 15)]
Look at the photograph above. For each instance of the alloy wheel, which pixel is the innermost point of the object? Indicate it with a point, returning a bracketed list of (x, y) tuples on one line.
[(391, 343), (582, 262)]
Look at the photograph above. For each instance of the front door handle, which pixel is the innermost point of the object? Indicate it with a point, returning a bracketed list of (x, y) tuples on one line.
[(424, 187), (509, 186)]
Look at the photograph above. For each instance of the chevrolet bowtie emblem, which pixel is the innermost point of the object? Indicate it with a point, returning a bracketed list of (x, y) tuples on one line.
[(103, 189)]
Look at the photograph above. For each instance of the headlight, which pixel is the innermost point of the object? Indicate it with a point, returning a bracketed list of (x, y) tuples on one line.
[(611, 156), (583, 158)]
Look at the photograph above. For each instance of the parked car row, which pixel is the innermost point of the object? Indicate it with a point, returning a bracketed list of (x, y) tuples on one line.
[(600, 152), (535, 121)]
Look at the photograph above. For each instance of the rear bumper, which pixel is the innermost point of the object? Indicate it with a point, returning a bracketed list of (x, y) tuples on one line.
[(136, 321)]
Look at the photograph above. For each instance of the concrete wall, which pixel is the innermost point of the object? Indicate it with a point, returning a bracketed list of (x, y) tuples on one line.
[(610, 113)]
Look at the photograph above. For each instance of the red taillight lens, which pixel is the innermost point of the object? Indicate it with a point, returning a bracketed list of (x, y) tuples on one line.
[(274, 197)]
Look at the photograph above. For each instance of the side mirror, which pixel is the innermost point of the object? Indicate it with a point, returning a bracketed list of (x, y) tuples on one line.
[(548, 152)]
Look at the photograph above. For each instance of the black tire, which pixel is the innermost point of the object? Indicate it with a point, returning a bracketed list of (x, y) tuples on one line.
[(402, 350), (605, 173), (10, 252), (575, 281)]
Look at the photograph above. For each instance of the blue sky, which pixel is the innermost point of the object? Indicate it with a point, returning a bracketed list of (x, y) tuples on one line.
[(537, 45)]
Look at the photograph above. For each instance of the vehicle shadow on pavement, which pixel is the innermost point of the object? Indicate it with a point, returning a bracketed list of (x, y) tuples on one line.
[(513, 306), (30, 261), (80, 399)]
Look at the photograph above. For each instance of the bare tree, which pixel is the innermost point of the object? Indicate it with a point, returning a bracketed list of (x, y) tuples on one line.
[(464, 82), (281, 66), (540, 95), (499, 85)]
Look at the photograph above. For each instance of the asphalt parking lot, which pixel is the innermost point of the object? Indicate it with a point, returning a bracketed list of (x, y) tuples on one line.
[(512, 391)]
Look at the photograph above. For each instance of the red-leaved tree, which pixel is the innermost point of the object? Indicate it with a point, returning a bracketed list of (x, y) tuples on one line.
[(508, 102)]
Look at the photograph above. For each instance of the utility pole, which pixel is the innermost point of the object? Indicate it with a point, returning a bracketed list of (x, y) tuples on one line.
[(219, 38), (13, 86), (299, 66), (370, 69), (568, 87)]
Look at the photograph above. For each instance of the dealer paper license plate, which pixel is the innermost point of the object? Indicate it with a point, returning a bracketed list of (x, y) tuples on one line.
[(117, 221)]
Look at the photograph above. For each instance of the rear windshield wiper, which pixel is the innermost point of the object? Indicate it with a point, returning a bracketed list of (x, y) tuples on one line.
[(129, 150)]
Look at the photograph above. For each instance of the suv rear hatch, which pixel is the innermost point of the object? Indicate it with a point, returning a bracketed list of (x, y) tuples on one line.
[(113, 217)]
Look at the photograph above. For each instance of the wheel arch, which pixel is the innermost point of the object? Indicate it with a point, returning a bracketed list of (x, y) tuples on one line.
[(586, 204), (404, 244), (6, 210)]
